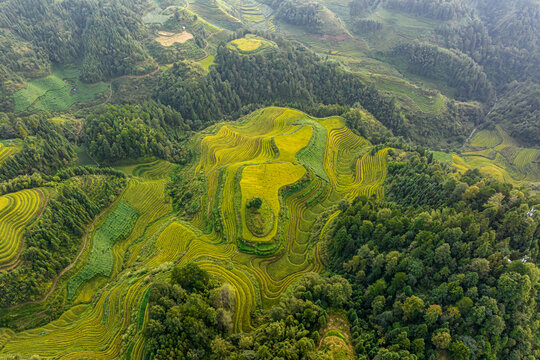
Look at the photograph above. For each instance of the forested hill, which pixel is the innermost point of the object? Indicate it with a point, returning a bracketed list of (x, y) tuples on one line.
[(491, 43), (102, 35), (446, 62)]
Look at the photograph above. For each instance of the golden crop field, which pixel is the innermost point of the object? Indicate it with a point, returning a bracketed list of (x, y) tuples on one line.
[(273, 154), (495, 153), (7, 151), (251, 44), (17, 210)]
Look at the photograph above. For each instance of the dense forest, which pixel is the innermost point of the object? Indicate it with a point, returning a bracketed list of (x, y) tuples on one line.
[(452, 67), (103, 35), (136, 131), (439, 9), (286, 76), (191, 315), (45, 148), (459, 259), (500, 36), (501, 63)]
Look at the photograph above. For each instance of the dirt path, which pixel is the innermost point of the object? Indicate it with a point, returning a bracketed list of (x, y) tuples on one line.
[(479, 126), (206, 54), (70, 266), (136, 76), (470, 136)]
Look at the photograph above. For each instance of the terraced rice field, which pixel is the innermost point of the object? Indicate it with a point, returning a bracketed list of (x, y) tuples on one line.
[(154, 170), (214, 12), (264, 181), (497, 154), (486, 138), (9, 148), (275, 136), (253, 13), (100, 262), (57, 92), (17, 211), (141, 237), (251, 44)]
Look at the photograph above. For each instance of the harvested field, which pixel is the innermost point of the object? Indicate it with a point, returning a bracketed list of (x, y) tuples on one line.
[(168, 39)]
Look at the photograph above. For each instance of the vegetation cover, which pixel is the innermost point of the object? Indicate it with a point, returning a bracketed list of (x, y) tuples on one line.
[(55, 32), (16, 212), (244, 179), (251, 44), (135, 131), (100, 261), (495, 153), (53, 241), (44, 147), (452, 67), (421, 277), (57, 92)]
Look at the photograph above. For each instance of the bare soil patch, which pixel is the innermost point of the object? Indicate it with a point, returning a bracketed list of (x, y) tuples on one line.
[(167, 38)]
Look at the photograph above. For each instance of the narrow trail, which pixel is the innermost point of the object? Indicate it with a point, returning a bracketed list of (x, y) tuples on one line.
[(477, 127), (136, 76), (70, 266), (471, 135), (206, 46)]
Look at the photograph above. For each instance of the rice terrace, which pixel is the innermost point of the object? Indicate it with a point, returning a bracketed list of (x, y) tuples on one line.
[(495, 153), (251, 44), (299, 168), (269, 179)]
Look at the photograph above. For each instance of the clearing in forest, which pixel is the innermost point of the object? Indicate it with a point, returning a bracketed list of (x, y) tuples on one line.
[(168, 39), (57, 92), (495, 153), (251, 44)]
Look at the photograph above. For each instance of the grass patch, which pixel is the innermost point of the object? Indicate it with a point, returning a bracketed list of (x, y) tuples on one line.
[(207, 62), (57, 92), (312, 155), (442, 156), (117, 226)]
